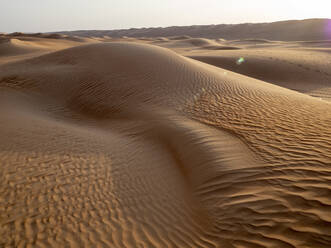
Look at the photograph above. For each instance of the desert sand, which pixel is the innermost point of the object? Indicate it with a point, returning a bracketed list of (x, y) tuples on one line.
[(291, 30), (164, 142)]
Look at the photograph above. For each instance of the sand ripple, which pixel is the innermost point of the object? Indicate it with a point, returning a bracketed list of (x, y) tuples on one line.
[(131, 145)]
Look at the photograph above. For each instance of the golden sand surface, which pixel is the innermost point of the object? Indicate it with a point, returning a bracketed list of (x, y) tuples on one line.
[(164, 142)]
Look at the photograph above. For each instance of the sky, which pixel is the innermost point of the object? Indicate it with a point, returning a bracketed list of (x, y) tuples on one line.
[(63, 15)]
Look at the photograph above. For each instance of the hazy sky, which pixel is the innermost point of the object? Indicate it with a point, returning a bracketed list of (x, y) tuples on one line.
[(58, 15)]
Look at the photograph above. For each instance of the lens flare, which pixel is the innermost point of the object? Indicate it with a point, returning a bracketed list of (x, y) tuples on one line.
[(240, 61)]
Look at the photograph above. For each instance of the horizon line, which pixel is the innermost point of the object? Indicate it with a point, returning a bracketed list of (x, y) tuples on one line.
[(156, 27)]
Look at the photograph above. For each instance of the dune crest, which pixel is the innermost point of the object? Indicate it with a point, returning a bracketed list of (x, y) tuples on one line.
[(292, 30)]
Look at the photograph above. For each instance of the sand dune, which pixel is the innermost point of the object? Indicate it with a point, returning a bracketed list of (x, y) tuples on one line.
[(10, 47), (302, 70), (128, 144), (19, 46), (194, 43), (292, 30)]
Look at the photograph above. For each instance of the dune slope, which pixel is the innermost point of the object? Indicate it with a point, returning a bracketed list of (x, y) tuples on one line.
[(306, 71), (292, 30), (132, 145), (18, 46)]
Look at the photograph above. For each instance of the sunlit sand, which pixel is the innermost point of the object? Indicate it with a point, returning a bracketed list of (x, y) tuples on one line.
[(164, 142)]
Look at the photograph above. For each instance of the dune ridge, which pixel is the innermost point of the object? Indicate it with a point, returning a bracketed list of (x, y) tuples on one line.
[(291, 30), (18, 46), (123, 144), (300, 70)]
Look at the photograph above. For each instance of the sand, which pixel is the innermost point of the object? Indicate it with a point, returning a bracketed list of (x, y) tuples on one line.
[(292, 30), (164, 142)]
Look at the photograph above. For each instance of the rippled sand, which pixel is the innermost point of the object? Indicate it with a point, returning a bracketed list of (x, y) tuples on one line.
[(127, 143)]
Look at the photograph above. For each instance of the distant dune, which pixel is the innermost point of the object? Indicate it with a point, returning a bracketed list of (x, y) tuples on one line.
[(165, 142), (294, 30)]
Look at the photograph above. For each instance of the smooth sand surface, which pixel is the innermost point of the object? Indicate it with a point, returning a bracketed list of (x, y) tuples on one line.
[(137, 143)]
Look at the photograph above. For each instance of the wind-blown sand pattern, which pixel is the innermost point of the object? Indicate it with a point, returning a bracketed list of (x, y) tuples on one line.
[(131, 144)]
